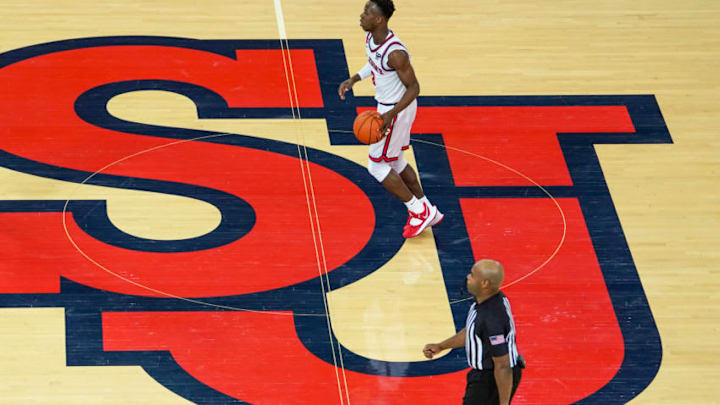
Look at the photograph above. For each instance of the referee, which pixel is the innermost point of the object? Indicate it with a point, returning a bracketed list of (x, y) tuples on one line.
[(489, 339)]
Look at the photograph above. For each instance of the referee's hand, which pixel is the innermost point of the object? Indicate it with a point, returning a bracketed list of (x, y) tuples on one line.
[(431, 349)]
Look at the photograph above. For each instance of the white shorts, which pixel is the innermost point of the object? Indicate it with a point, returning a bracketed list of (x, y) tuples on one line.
[(397, 139)]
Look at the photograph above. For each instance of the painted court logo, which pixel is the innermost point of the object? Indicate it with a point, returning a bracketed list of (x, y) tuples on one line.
[(518, 174)]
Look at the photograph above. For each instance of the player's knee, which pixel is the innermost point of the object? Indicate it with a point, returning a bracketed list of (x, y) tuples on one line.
[(379, 170), (399, 165)]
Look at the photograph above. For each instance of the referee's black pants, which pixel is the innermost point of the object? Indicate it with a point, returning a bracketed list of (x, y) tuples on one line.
[(482, 389)]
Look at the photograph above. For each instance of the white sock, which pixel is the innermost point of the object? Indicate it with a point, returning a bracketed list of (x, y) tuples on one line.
[(415, 205), (426, 201)]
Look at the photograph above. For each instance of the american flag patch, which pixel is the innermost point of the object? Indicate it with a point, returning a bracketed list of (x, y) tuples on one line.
[(497, 340)]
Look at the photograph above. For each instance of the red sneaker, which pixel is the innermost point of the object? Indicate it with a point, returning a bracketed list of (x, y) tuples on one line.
[(425, 218), (438, 218)]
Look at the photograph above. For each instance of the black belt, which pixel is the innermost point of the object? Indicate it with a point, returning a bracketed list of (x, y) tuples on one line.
[(385, 104)]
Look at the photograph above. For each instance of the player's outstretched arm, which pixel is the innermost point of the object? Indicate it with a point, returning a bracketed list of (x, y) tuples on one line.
[(432, 349), (347, 85)]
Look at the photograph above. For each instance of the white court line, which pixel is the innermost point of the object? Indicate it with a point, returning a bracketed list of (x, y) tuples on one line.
[(280, 20), (305, 167), (317, 220)]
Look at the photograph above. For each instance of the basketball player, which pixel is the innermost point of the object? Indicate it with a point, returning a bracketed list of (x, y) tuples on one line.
[(396, 91)]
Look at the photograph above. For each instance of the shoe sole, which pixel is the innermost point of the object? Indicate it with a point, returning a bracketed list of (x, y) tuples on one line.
[(437, 219)]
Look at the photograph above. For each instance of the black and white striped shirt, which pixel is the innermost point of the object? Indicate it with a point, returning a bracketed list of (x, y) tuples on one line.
[(490, 332)]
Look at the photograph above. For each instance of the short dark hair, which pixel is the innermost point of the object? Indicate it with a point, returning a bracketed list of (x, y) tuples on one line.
[(386, 6)]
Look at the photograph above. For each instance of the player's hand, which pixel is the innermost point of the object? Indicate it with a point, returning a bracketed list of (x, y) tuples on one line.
[(431, 350), (345, 87), (387, 121)]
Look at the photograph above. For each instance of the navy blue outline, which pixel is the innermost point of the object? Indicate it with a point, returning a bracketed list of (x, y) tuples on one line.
[(84, 305)]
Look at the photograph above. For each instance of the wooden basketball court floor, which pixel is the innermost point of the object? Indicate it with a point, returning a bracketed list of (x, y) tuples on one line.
[(185, 218)]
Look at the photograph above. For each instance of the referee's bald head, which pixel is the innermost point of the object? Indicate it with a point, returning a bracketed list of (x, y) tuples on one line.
[(490, 270)]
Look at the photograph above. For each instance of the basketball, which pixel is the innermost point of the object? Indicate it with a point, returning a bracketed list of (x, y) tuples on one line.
[(366, 127)]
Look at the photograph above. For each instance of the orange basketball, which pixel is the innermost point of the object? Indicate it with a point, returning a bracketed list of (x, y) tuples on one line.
[(366, 127)]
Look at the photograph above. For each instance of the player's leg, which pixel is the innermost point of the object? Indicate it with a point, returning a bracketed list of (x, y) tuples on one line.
[(386, 162), (383, 158), (410, 179), (398, 144), (390, 180), (420, 215)]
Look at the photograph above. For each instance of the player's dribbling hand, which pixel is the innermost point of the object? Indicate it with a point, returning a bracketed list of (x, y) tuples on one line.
[(431, 350), (387, 121), (345, 87)]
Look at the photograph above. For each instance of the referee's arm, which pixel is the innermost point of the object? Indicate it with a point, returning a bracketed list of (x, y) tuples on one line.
[(503, 378), (495, 327), (431, 349)]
